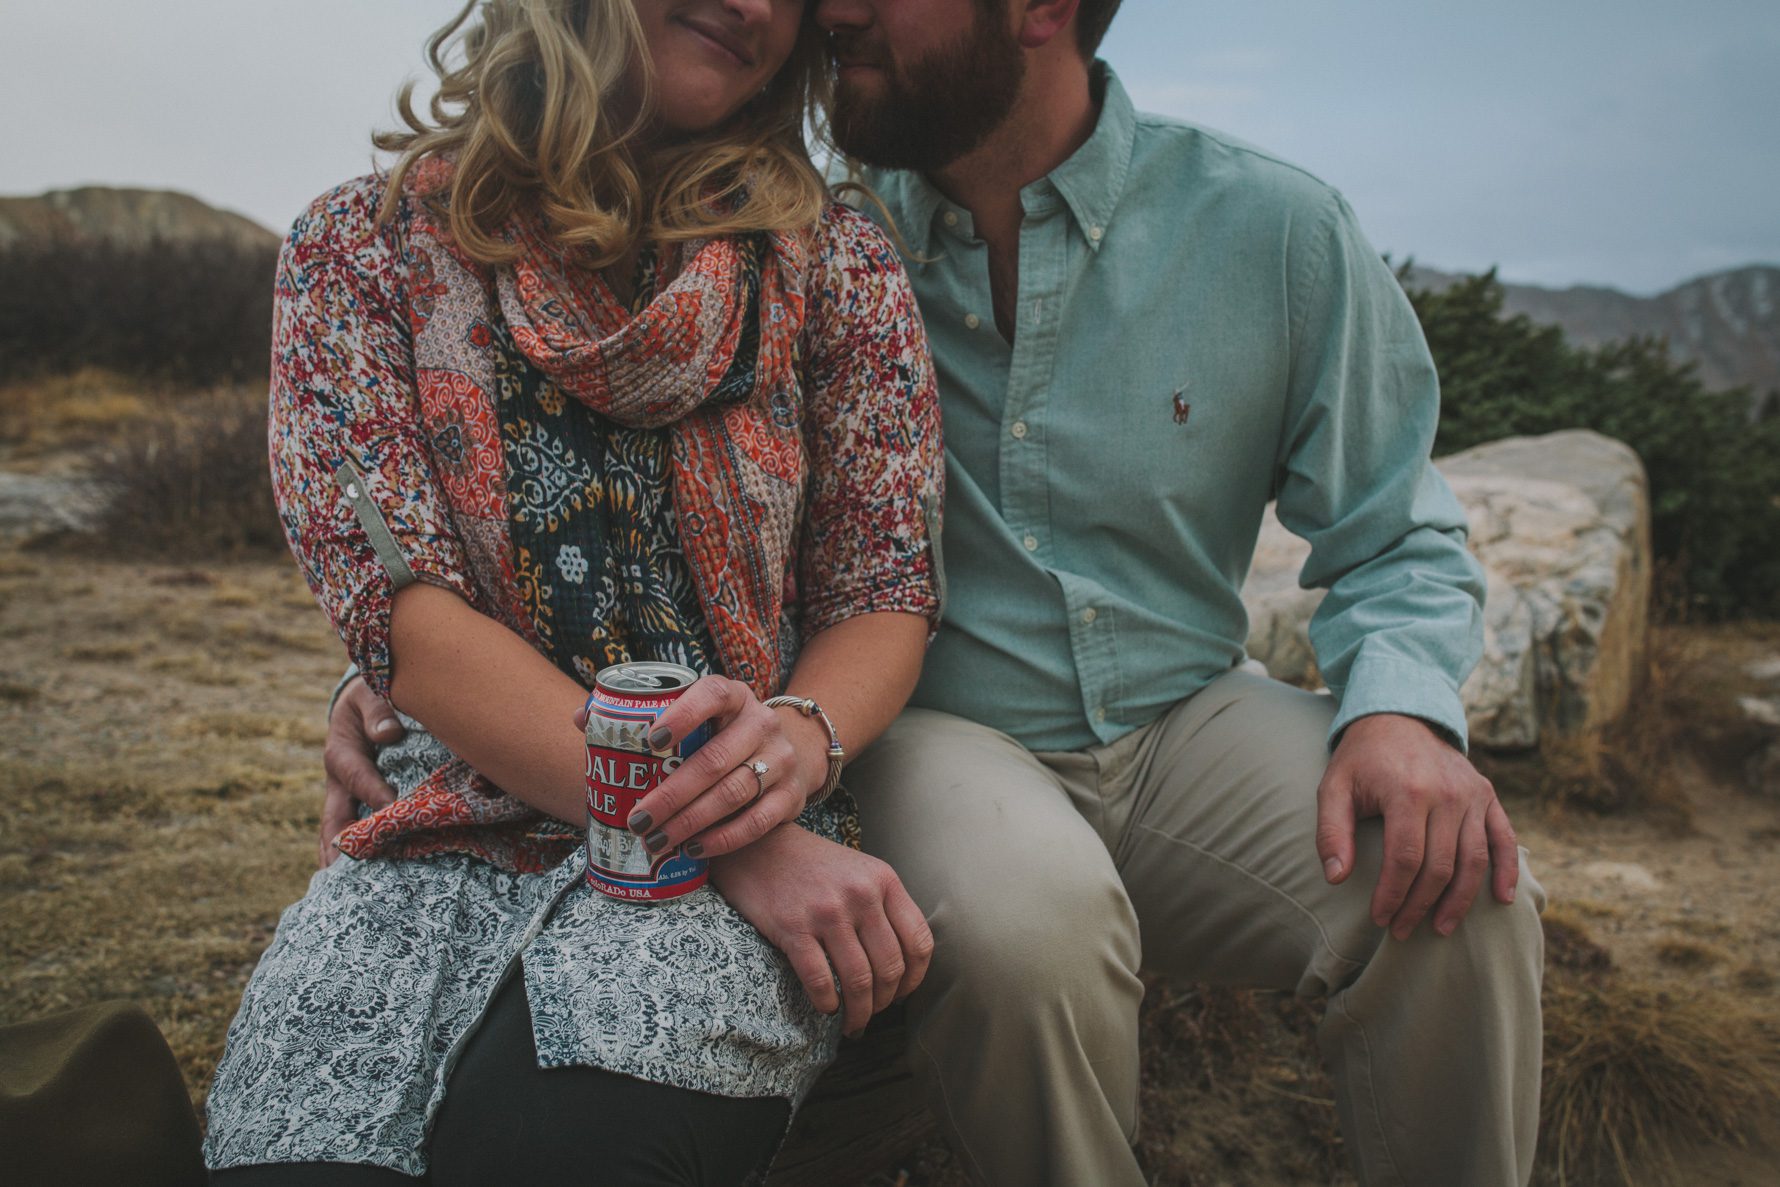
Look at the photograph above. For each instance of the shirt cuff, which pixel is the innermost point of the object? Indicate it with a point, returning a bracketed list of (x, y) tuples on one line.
[(1386, 684), (345, 679)]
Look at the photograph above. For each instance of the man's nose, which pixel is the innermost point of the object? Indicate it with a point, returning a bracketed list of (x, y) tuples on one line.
[(843, 14)]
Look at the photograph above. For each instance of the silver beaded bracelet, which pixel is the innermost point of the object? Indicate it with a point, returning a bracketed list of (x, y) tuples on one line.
[(837, 754)]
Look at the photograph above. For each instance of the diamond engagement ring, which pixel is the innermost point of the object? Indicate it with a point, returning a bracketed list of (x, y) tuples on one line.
[(760, 770)]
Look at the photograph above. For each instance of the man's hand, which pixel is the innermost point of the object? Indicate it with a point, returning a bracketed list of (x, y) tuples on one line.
[(360, 722), (824, 904), (1444, 829)]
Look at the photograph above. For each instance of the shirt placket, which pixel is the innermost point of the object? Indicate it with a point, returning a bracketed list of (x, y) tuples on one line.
[(1025, 485), (1027, 422)]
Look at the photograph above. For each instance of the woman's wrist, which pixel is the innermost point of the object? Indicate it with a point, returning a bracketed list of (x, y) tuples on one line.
[(809, 740)]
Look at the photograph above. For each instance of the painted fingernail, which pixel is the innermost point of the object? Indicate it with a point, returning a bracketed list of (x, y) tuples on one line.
[(655, 841), (640, 822), (1332, 868), (694, 849), (660, 739)]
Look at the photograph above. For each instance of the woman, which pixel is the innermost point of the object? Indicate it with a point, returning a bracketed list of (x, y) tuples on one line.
[(597, 373)]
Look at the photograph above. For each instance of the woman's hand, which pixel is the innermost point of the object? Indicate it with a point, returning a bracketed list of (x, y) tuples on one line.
[(823, 904), (716, 800)]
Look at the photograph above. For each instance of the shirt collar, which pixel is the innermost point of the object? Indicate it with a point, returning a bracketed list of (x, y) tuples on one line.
[(1090, 182), (1093, 180)]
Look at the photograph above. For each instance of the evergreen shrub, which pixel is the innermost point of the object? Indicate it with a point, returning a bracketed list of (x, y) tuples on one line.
[(1714, 473)]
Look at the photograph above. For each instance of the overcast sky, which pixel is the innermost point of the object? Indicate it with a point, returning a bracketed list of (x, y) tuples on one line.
[(1623, 142)]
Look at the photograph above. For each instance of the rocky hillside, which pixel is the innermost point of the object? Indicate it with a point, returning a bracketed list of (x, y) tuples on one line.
[(123, 216), (1728, 323)]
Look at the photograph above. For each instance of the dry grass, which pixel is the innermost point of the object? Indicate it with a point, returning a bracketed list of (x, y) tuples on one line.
[(192, 484), (89, 408), (1754, 978), (1686, 713), (185, 469), (1690, 954), (158, 798), (1633, 1074), (1216, 1060), (158, 810), (1570, 949)]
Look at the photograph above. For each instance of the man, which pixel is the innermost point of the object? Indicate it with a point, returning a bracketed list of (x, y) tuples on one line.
[(1144, 331)]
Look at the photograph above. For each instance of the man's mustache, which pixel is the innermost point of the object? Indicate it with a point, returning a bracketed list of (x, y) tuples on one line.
[(857, 49)]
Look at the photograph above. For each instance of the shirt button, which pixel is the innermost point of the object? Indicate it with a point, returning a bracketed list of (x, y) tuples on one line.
[(1100, 715), (1031, 543), (1089, 615), (1096, 233), (1019, 430), (972, 321), (951, 218)]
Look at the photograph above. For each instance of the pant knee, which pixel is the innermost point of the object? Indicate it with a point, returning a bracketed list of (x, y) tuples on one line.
[(1075, 943)]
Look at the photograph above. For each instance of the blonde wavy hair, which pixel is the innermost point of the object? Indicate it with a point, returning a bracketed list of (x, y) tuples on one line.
[(546, 101)]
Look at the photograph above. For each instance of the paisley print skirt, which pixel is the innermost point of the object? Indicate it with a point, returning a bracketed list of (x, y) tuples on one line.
[(375, 978)]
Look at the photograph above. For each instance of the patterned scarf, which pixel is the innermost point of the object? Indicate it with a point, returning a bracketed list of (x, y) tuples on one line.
[(713, 357)]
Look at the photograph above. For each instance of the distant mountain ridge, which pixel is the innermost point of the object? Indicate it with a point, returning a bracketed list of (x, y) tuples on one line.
[(1726, 323), (127, 216)]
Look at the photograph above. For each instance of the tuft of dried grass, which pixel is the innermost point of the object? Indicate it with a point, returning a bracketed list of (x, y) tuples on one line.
[(1689, 954), (192, 485), (1570, 949), (1684, 711), (102, 653), (1214, 1060), (79, 410), (1754, 978), (1634, 1073)]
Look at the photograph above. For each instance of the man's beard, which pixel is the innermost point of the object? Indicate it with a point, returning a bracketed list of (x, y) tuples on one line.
[(936, 109)]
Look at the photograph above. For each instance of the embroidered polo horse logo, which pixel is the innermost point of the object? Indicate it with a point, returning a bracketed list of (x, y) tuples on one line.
[(1182, 409)]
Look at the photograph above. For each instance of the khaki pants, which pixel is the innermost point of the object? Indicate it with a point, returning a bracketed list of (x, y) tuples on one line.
[(1188, 848)]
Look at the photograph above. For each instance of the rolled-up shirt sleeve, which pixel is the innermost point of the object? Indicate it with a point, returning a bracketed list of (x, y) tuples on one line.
[(1402, 624), (351, 474), (871, 527)]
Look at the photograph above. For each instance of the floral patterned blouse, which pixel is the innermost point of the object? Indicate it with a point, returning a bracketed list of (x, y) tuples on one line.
[(388, 466), (387, 462)]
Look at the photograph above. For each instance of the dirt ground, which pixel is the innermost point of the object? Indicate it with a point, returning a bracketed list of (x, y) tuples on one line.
[(160, 733)]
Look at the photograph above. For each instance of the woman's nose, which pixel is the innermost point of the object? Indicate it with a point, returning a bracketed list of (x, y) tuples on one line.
[(753, 12)]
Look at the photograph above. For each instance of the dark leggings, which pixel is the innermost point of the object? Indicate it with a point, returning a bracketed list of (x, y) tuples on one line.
[(506, 1120)]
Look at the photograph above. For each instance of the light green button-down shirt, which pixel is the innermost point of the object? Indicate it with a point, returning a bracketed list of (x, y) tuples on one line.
[(1200, 328)]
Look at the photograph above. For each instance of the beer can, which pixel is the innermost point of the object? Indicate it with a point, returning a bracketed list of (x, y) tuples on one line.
[(622, 769)]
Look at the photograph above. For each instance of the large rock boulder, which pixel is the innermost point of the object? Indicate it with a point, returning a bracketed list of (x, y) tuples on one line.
[(1561, 524)]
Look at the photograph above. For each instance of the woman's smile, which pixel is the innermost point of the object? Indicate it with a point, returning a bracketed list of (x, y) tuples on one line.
[(710, 57), (725, 41)]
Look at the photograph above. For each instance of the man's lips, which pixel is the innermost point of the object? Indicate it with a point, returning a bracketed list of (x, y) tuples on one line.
[(853, 55), (724, 39)]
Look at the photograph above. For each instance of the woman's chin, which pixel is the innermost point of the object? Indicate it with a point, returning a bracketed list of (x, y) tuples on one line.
[(682, 110)]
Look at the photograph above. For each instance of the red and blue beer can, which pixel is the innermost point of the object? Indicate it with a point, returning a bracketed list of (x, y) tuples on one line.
[(622, 768)]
